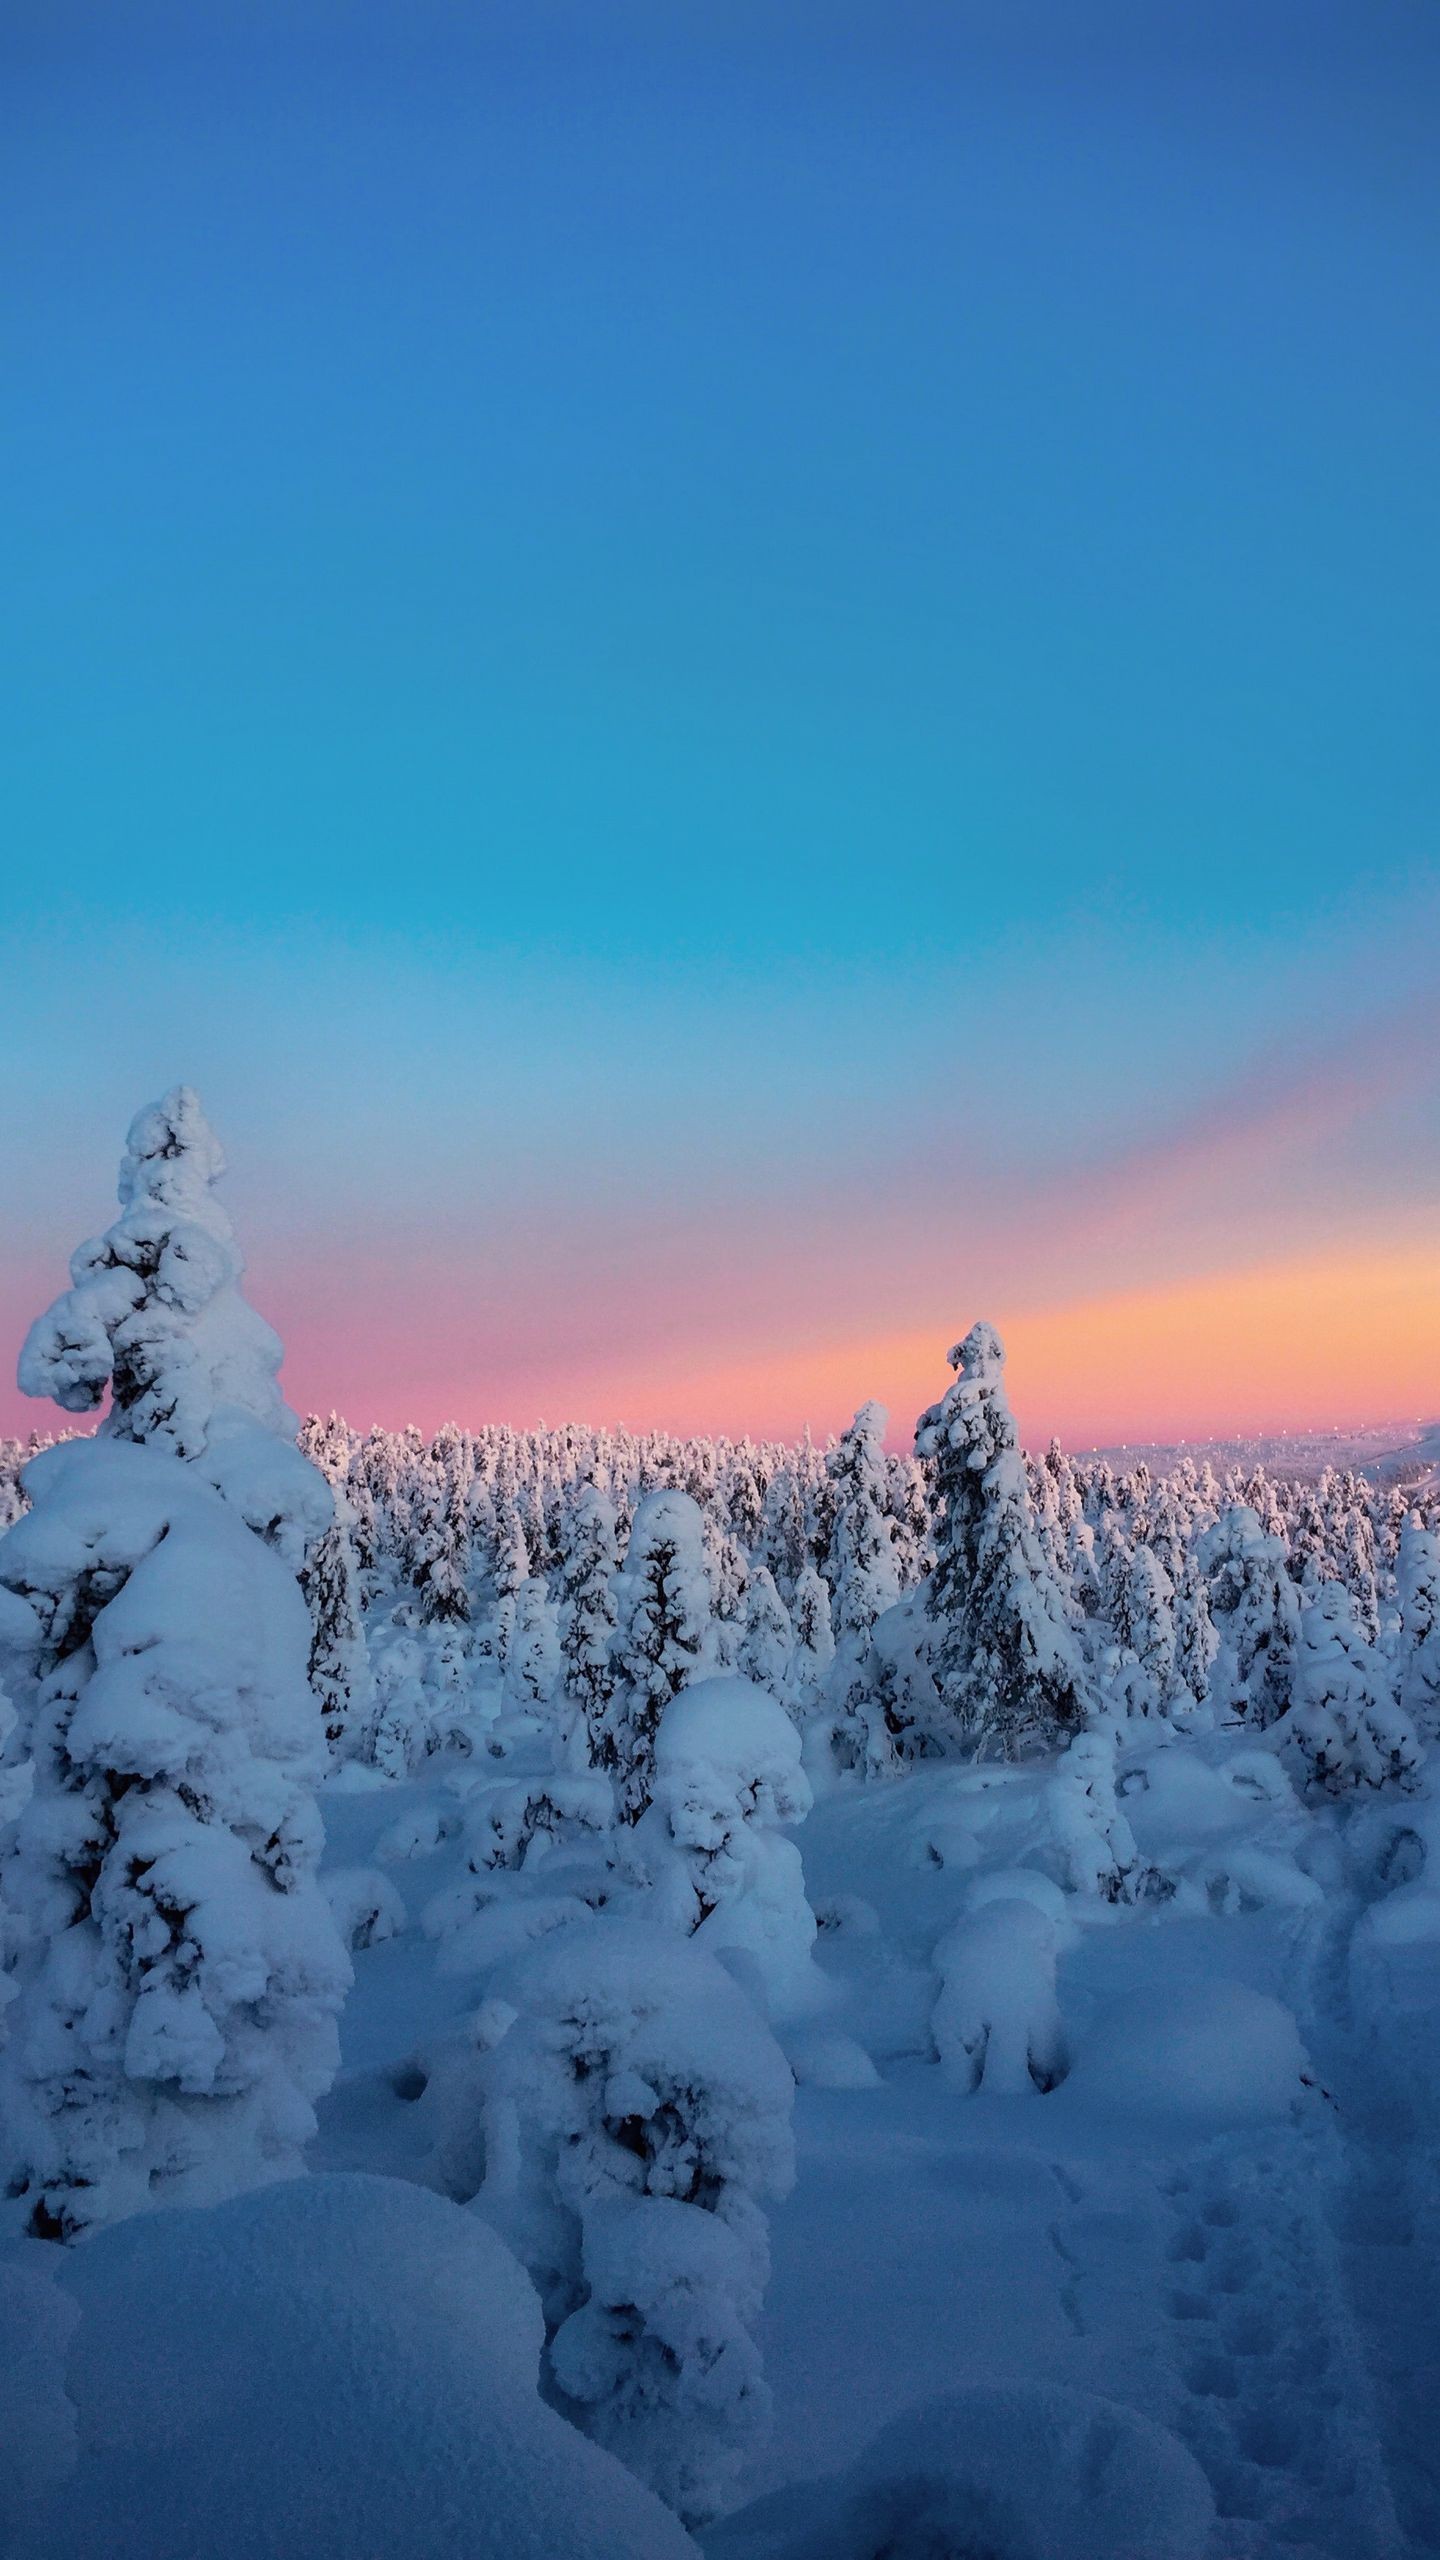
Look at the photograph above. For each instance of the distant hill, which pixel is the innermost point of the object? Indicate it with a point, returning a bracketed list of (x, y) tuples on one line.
[(1386, 1452)]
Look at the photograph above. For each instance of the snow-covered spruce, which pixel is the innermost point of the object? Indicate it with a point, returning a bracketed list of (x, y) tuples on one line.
[(532, 1663), (587, 1614), (636, 2120), (156, 1316), (1346, 1728), (814, 1637), (1418, 1580), (767, 1640), (1006, 1658), (1096, 1844), (711, 1846), (1256, 1611), (180, 1973), (339, 1664), (662, 1637)]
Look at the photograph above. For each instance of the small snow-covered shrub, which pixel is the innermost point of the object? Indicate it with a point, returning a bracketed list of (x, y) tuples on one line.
[(418, 1833), (514, 1826), (364, 1905), (727, 1776), (658, 2361), (996, 2022), (637, 2069), (1096, 1843)]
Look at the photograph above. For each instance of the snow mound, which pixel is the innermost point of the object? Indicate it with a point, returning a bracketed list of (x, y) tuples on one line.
[(1216, 2050), (1014, 2471), (338, 2366)]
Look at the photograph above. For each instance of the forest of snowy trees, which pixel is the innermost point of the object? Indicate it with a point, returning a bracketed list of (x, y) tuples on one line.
[(604, 1677)]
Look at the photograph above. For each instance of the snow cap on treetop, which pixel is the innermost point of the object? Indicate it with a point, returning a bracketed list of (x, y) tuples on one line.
[(981, 1350)]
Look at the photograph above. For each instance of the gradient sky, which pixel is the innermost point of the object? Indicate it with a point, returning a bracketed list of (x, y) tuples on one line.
[(738, 681)]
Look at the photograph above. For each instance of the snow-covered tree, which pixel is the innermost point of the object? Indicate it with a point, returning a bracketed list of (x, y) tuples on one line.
[(1418, 1582), (996, 2022), (636, 2121), (156, 1316), (1254, 1605), (814, 1635), (1096, 1843), (587, 1610), (783, 1546), (861, 1565), (767, 1639), (532, 1665), (662, 1637), (727, 1780), (339, 1664), (1006, 1659), (1346, 1727), (180, 1972)]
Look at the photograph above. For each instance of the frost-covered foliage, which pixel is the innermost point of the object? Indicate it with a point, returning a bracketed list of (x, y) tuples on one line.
[(180, 1974), (662, 1637), (636, 2118), (727, 1779), (1007, 1660)]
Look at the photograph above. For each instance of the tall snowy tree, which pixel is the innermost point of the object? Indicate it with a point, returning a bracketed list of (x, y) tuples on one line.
[(1006, 1659), (862, 1567), (1346, 1726), (587, 1610), (339, 1664), (767, 1640), (1254, 1604), (181, 1972), (814, 1633), (662, 1636)]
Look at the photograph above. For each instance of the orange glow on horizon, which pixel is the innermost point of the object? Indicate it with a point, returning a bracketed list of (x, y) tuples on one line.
[(1325, 1341)]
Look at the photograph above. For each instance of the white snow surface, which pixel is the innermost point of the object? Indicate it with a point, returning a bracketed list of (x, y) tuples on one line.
[(333, 2368)]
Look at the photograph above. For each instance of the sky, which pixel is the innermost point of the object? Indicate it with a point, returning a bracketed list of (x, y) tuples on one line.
[(739, 682)]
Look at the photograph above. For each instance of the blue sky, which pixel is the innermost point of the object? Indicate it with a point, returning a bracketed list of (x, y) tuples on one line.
[(713, 599)]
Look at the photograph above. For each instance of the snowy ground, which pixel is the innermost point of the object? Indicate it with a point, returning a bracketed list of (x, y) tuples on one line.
[(1225, 2219)]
